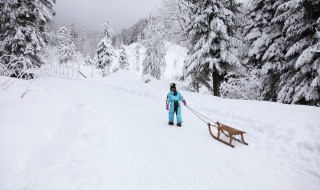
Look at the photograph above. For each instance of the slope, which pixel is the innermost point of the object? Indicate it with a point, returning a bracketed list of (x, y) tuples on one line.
[(113, 134)]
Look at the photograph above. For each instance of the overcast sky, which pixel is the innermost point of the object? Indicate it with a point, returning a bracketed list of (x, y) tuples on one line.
[(93, 13)]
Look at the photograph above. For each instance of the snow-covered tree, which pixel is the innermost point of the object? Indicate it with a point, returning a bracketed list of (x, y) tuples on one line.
[(123, 59), (91, 44), (175, 16), (132, 34), (22, 29), (49, 53), (66, 47), (265, 44), (88, 61), (260, 31), (105, 51), (73, 34), (82, 42), (214, 42), (154, 61), (300, 75), (137, 54)]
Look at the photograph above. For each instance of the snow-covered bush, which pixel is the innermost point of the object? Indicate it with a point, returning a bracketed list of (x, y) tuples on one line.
[(4, 71), (242, 86)]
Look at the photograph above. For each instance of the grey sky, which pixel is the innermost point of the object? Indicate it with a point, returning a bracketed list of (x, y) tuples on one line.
[(93, 13)]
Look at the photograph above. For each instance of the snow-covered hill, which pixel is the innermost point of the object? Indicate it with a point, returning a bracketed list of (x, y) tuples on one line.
[(112, 133)]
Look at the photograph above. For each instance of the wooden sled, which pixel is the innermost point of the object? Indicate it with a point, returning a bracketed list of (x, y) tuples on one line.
[(229, 132)]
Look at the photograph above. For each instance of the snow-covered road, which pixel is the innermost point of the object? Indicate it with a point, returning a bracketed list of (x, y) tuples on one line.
[(113, 134)]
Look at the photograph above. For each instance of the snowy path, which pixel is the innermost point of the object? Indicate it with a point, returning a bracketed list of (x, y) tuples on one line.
[(114, 135)]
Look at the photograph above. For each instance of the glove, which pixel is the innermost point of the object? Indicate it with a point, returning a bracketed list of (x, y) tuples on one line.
[(185, 103), (167, 106)]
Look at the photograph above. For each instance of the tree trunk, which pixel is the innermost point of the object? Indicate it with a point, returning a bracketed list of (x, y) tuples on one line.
[(216, 81)]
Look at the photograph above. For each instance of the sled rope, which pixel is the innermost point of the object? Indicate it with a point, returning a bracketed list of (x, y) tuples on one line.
[(201, 117)]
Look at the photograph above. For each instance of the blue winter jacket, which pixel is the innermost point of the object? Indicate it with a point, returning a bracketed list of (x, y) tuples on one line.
[(171, 98)]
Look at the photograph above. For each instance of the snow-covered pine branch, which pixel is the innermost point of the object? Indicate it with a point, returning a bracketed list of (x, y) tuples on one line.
[(299, 75), (23, 36)]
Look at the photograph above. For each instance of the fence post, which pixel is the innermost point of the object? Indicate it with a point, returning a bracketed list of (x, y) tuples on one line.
[(78, 69), (92, 70)]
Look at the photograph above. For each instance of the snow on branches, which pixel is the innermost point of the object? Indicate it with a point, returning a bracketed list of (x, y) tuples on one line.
[(22, 29), (105, 52), (154, 61), (214, 43)]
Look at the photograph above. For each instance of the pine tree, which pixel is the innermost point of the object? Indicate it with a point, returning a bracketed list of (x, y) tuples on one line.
[(123, 59), (22, 28), (300, 75), (265, 45), (154, 61), (105, 51), (66, 47), (137, 54), (88, 61), (73, 34), (212, 53), (82, 43)]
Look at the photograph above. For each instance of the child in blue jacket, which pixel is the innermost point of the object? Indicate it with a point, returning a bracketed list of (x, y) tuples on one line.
[(173, 101)]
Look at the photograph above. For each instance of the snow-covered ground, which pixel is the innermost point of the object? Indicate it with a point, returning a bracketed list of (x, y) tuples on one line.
[(112, 133)]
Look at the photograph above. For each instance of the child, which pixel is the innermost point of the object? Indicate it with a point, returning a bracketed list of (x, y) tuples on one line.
[(173, 100)]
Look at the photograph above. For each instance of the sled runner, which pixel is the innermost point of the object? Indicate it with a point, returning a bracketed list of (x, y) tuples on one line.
[(227, 131)]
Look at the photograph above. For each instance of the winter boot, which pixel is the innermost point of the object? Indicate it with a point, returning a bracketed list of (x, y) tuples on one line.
[(170, 123), (179, 124)]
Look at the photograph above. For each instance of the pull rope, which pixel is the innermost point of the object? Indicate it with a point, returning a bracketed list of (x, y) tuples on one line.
[(200, 116)]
